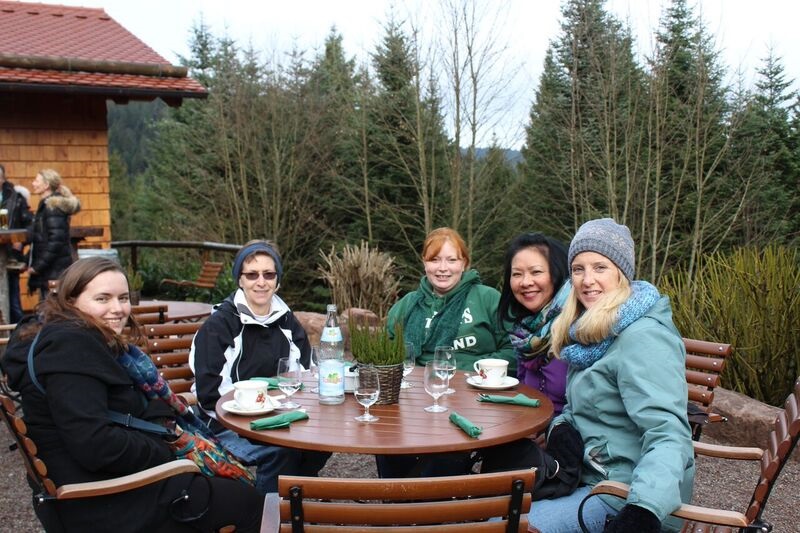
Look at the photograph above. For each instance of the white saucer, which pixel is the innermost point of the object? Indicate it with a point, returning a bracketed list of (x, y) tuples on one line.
[(507, 383), (232, 407)]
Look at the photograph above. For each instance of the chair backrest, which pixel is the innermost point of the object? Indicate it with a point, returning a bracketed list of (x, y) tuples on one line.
[(705, 361), (454, 503), (150, 314), (37, 471), (168, 346), (782, 441), (209, 274)]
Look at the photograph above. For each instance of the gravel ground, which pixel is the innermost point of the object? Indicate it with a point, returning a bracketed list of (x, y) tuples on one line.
[(719, 483)]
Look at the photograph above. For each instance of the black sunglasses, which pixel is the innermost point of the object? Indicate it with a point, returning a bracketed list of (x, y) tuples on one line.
[(266, 274)]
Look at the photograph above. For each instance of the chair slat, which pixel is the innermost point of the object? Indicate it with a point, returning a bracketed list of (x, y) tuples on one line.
[(454, 503)]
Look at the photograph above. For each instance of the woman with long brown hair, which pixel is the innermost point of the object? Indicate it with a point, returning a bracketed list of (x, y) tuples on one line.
[(80, 371)]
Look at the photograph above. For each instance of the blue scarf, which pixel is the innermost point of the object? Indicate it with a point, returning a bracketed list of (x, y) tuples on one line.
[(581, 356), (144, 373)]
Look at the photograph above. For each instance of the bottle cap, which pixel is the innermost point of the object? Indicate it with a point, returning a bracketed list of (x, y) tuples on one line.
[(331, 308)]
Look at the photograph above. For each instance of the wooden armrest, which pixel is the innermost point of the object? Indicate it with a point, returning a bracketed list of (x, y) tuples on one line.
[(696, 513), (129, 482), (188, 398), (728, 452)]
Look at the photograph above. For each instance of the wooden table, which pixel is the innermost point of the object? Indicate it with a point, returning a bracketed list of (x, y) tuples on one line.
[(7, 236), (178, 311), (403, 428)]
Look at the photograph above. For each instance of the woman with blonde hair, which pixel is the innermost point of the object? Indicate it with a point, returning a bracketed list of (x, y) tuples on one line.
[(625, 418), (51, 251)]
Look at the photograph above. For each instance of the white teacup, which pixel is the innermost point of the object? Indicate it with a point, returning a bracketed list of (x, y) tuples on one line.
[(492, 371), (250, 394)]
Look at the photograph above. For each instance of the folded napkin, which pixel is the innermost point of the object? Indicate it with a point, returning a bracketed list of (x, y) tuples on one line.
[(279, 421), (469, 428), (272, 383), (519, 399)]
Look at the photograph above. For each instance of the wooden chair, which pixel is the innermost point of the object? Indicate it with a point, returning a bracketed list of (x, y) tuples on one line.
[(168, 346), (705, 362), (455, 503), (781, 442), (206, 279), (150, 314), (45, 490)]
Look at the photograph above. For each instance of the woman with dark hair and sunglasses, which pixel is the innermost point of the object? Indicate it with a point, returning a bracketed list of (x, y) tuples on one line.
[(245, 337), (85, 364)]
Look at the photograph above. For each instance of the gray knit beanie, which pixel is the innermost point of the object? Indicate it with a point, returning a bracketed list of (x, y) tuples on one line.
[(607, 238)]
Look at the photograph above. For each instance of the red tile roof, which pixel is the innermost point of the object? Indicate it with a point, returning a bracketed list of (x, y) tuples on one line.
[(45, 33)]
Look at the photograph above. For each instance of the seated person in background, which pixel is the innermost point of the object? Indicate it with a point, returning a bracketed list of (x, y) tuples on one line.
[(244, 338), (78, 361), (625, 418), (451, 307), (535, 288)]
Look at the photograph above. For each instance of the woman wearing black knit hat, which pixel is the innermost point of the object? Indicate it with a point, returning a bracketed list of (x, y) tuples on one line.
[(245, 337), (625, 418)]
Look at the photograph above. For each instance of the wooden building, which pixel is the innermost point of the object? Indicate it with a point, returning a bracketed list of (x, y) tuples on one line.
[(59, 66)]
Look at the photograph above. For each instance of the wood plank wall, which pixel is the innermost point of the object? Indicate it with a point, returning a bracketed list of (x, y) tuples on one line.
[(69, 134)]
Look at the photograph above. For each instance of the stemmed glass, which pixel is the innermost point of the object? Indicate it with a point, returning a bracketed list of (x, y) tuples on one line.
[(445, 356), (289, 381), (367, 389), (409, 363), (314, 358), (436, 381)]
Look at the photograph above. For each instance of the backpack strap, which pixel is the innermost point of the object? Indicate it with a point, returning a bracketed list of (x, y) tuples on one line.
[(126, 420)]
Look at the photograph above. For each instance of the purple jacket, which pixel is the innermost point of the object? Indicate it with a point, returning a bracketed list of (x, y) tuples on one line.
[(551, 379)]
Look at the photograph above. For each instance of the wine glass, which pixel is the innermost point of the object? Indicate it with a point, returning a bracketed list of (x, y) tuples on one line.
[(367, 389), (446, 357), (289, 381), (436, 381), (409, 363), (314, 358)]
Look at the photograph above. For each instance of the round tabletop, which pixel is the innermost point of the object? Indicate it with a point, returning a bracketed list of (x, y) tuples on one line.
[(403, 428)]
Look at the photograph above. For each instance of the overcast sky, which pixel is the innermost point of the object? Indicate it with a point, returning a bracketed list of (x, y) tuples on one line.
[(743, 30)]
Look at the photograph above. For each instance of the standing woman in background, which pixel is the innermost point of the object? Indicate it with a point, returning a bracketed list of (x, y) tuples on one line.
[(51, 252), (625, 418)]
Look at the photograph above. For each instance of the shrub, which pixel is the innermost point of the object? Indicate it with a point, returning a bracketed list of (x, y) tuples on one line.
[(361, 277), (749, 298)]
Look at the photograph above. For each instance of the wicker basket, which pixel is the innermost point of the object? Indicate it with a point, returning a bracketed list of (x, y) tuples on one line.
[(389, 377)]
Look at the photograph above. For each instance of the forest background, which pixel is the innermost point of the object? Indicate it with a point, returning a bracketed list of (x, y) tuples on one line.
[(315, 151)]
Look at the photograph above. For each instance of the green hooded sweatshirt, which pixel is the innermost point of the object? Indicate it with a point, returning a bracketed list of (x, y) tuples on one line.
[(477, 336)]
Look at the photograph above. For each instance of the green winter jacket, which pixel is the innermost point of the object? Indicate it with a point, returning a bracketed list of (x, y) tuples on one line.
[(478, 336), (630, 409)]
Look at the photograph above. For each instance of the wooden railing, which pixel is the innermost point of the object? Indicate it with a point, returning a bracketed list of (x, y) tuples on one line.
[(200, 245)]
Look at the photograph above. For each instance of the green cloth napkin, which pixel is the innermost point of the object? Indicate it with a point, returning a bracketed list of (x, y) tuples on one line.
[(279, 421), (469, 428), (272, 383), (519, 399)]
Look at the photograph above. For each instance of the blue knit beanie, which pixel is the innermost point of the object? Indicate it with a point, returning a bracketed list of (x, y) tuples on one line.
[(609, 239), (249, 250)]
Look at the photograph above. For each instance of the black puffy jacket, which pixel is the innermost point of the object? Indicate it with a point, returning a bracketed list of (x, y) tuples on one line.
[(51, 251)]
